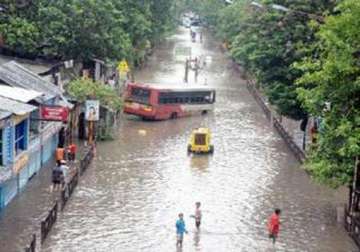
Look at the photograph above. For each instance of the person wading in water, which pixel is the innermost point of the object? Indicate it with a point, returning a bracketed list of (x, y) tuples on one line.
[(274, 225)]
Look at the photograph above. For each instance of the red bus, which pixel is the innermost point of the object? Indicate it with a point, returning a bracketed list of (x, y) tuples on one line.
[(158, 102)]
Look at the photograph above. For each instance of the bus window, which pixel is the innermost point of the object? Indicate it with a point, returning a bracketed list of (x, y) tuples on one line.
[(140, 95)]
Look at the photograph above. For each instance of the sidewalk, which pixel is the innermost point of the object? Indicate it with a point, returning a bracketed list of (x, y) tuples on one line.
[(22, 217)]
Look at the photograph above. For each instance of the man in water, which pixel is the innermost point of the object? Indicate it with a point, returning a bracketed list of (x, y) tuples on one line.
[(180, 230), (274, 225)]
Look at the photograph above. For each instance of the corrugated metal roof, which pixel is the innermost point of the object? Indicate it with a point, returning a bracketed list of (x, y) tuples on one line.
[(18, 76), (34, 66), (4, 114), (14, 107), (18, 94)]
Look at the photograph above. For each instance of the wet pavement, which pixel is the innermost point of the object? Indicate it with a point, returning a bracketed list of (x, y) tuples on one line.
[(130, 197)]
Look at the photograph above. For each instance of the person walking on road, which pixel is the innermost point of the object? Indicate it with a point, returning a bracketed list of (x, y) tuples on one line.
[(180, 230), (197, 215), (57, 177), (274, 225)]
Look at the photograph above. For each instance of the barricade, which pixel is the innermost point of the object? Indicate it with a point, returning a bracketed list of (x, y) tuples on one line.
[(49, 221), (32, 247)]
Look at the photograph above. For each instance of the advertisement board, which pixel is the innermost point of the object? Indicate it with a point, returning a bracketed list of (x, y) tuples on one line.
[(92, 110), (54, 113)]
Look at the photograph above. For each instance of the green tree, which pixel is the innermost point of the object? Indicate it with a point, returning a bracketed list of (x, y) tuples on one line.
[(85, 88), (331, 74)]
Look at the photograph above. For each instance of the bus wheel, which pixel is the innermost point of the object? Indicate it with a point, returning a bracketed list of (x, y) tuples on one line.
[(173, 115), (204, 112)]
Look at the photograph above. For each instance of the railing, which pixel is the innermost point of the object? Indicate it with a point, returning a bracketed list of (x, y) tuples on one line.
[(49, 221), (298, 152), (68, 190), (347, 219), (70, 187), (32, 247), (66, 193), (84, 163), (355, 234)]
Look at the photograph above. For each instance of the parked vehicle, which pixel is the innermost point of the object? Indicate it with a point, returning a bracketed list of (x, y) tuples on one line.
[(160, 102), (200, 141)]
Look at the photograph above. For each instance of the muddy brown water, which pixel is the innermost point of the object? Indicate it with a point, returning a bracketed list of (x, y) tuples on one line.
[(129, 199)]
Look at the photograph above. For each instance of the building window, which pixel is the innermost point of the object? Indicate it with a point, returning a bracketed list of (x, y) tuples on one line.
[(20, 131), (1, 147)]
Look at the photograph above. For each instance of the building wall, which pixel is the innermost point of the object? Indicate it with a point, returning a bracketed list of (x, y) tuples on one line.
[(28, 162)]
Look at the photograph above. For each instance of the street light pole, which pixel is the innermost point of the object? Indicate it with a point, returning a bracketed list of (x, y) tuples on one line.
[(284, 9)]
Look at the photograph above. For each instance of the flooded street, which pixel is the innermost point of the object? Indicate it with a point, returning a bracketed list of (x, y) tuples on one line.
[(129, 198)]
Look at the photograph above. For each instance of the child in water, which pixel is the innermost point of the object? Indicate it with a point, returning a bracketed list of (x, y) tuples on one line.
[(197, 215)]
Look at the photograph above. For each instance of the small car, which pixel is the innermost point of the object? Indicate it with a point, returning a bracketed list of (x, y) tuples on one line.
[(200, 141)]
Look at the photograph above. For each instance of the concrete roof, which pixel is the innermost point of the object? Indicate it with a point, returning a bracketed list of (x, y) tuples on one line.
[(16, 75), (14, 107), (18, 94)]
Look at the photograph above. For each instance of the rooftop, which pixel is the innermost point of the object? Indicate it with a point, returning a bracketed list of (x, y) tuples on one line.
[(18, 94), (16, 75), (14, 107)]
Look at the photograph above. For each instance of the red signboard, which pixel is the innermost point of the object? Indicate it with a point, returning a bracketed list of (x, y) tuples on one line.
[(54, 113)]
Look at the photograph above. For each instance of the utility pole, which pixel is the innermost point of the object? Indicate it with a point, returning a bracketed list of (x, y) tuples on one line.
[(186, 70)]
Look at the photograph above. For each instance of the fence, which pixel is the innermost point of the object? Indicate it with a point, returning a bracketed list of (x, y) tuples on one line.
[(32, 247), (355, 230), (69, 189), (298, 152), (84, 163), (49, 221), (347, 219)]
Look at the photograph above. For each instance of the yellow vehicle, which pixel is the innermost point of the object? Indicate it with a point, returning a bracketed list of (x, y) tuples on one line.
[(200, 141)]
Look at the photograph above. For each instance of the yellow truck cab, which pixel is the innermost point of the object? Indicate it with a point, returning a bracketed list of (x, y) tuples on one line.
[(200, 141)]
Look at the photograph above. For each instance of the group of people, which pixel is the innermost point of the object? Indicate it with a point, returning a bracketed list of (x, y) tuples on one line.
[(180, 224), (61, 173), (273, 224)]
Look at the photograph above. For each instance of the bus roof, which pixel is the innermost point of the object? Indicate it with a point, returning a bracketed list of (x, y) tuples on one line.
[(175, 87)]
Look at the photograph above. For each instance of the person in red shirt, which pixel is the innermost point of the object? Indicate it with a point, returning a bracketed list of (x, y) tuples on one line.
[(72, 151), (274, 225)]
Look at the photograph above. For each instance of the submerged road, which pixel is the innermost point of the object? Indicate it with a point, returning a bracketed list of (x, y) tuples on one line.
[(129, 199)]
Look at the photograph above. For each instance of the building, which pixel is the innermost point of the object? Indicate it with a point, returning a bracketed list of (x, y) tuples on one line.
[(24, 96), (14, 148)]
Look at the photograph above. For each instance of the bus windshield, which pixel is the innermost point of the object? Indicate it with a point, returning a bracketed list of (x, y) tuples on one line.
[(140, 95)]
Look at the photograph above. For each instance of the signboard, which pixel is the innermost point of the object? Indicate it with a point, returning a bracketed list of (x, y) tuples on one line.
[(20, 163), (123, 67), (92, 110), (54, 113), (182, 51)]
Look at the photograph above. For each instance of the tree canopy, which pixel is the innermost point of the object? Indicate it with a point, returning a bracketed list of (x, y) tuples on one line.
[(303, 57), (85, 88), (331, 74), (85, 29)]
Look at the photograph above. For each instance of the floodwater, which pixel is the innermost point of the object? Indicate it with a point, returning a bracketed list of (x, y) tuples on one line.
[(130, 197)]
